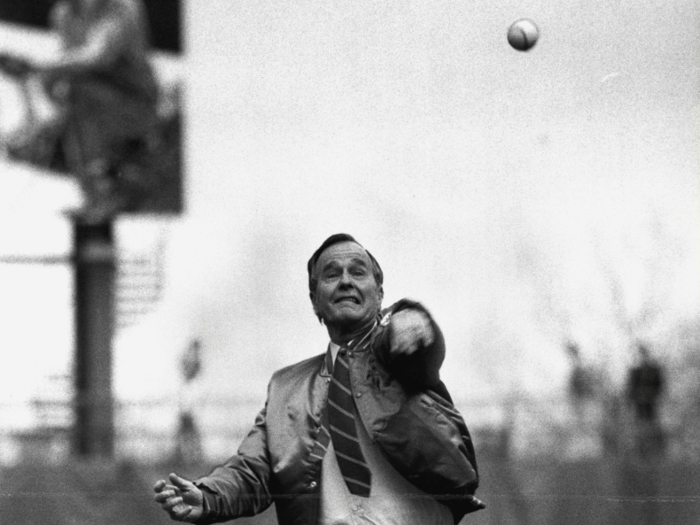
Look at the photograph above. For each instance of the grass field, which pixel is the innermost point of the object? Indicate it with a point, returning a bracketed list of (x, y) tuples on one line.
[(542, 492)]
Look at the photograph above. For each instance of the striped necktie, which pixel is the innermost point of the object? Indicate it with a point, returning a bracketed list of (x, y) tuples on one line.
[(343, 432)]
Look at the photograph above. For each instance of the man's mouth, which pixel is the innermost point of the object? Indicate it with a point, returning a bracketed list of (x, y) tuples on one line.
[(353, 300)]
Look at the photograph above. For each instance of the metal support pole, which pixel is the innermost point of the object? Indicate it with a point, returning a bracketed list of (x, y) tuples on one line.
[(94, 270)]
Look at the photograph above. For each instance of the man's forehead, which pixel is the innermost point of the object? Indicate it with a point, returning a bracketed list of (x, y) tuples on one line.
[(343, 250)]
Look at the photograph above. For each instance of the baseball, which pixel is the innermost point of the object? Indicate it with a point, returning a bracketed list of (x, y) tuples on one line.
[(523, 34)]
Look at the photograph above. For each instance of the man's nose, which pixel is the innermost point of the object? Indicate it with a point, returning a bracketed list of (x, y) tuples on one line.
[(346, 279)]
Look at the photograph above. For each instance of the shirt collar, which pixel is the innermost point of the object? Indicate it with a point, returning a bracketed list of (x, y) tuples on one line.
[(333, 349), (356, 344), (331, 354)]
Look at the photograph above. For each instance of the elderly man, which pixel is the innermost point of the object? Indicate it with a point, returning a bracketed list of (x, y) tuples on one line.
[(364, 433)]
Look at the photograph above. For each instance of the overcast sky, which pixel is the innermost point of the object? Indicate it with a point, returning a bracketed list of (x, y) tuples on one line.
[(493, 185)]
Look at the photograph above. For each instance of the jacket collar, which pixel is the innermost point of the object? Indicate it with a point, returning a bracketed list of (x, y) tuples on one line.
[(327, 367)]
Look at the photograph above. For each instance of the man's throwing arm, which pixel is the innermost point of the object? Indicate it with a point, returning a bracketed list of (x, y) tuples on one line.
[(410, 345)]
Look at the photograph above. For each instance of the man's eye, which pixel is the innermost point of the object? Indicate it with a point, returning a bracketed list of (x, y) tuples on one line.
[(359, 273)]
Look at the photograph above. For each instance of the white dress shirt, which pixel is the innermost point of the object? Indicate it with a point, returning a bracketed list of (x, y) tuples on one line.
[(393, 500)]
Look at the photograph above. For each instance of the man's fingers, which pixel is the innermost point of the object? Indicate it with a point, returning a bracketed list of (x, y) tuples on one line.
[(163, 496), (410, 330), (159, 486), (180, 498), (181, 510), (177, 508), (179, 482), (172, 503)]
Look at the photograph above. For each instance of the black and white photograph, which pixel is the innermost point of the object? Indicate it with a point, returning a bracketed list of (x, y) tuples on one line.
[(343, 263)]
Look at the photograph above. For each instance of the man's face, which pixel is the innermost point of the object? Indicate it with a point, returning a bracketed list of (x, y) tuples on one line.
[(347, 295)]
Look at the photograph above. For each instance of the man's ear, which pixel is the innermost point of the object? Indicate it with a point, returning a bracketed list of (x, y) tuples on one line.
[(312, 296), (313, 305), (381, 297)]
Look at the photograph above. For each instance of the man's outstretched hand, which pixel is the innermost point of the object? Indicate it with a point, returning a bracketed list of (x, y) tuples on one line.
[(180, 498), (410, 330)]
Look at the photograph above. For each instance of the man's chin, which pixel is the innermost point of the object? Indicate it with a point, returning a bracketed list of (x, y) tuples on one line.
[(348, 321), (343, 321)]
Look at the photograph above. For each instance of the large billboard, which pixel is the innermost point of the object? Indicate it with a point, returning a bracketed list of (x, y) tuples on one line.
[(112, 119)]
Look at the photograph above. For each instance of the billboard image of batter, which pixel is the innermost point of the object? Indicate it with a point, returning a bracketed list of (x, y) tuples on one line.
[(92, 100)]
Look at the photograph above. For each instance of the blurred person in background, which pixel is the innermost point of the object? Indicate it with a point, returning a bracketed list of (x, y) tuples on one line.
[(188, 448), (645, 386), (585, 396), (106, 97), (582, 382), (364, 432)]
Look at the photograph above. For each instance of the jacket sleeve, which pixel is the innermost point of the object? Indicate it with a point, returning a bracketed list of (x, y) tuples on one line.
[(241, 486), (419, 370)]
